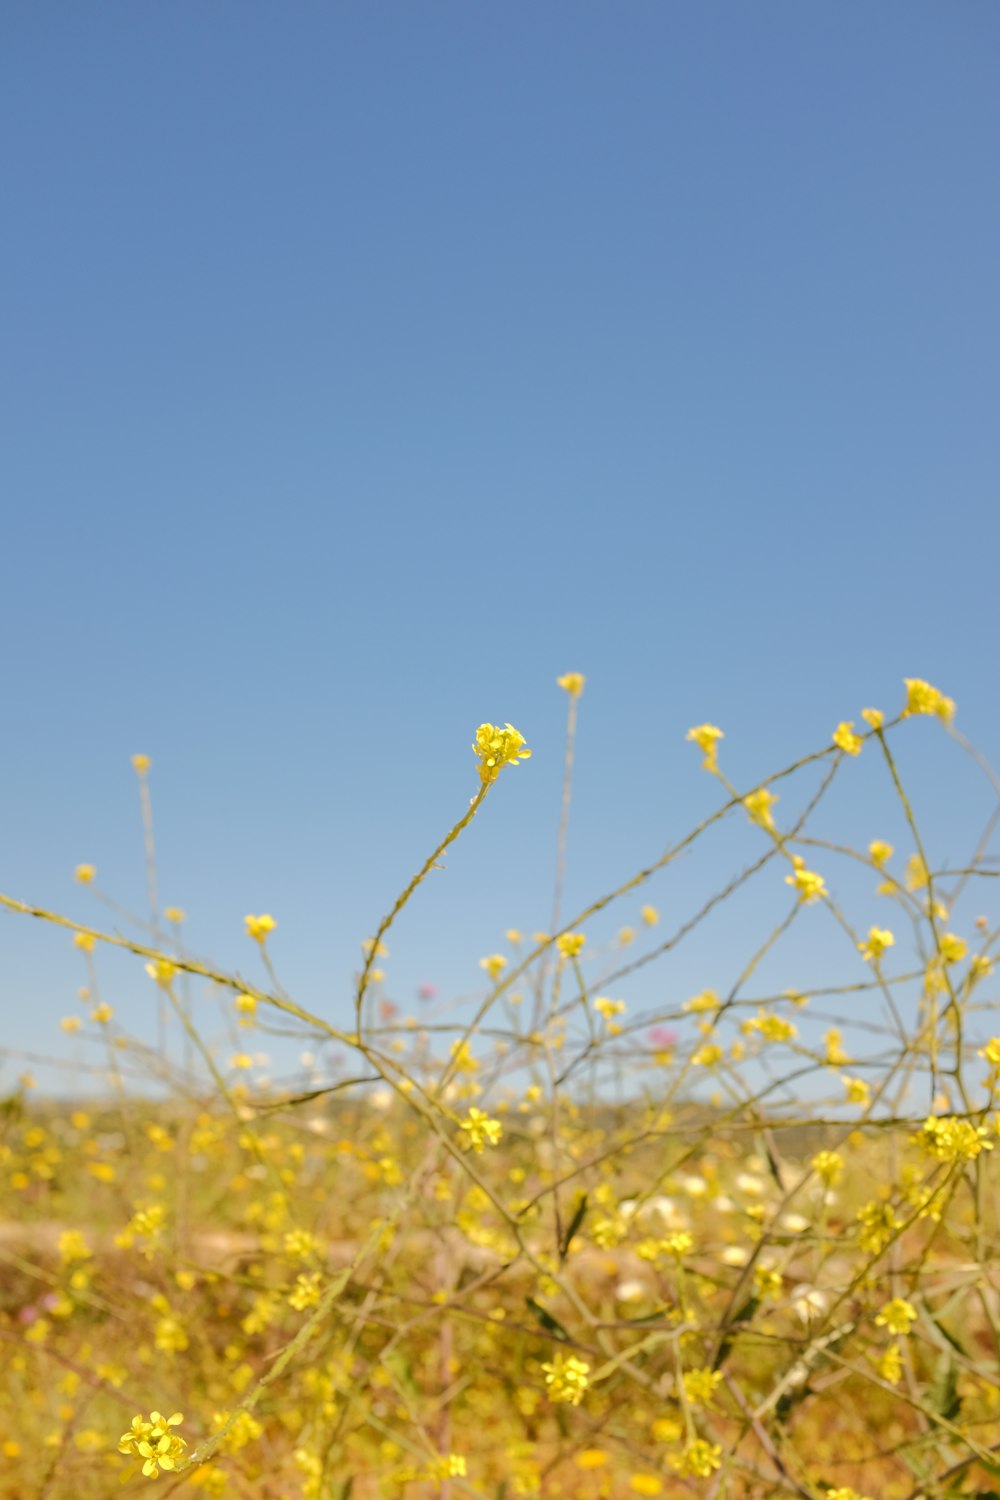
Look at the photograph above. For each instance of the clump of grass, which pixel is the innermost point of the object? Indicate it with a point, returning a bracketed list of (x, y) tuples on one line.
[(554, 1246)]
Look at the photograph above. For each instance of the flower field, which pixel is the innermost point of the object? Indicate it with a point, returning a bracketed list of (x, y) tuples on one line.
[(737, 1242)]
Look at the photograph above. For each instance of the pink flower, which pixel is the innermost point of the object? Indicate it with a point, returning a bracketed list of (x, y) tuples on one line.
[(662, 1038), (427, 992)]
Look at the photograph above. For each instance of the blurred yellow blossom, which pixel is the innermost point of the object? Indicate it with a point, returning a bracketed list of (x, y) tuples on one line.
[(810, 886), (571, 944), (141, 764), (84, 873), (880, 852), (572, 683), (650, 915), (259, 928), (921, 698), (494, 965), (758, 805), (873, 716), (845, 739), (706, 737), (878, 940), (566, 1378)]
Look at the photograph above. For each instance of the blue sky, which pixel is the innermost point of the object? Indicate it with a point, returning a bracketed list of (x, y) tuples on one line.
[(364, 368)]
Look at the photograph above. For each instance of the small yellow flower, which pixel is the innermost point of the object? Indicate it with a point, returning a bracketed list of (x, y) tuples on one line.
[(71, 1023), (571, 944), (707, 1055), (246, 1004), (700, 1386), (84, 942), (921, 698), (259, 927), (758, 805), (514, 936), (84, 873), (163, 972), (844, 1492), (591, 1458), (141, 764), (890, 1364), (991, 1052), (706, 737), (873, 716), (572, 683), (650, 915), (845, 739), (810, 886), (480, 1131), (953, 949), (700, 1458), (102, 1013), (857, 1091), (154, 1443), (880, 852), (828, 1166), (497, 748), (897, 1315), (566, 1379), (175, 914), (608, 1008), (706, 1000), (879, 939), (645, 1483), (494, 965)]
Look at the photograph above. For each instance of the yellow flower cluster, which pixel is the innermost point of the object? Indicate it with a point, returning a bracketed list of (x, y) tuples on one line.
[(878, 940), (154, 1443), (845, 739), (259, 928), (921, 698), (480, 1131), (706, 737), (497, 748), (758, 805), (810, 886), (566, 1379), (897, 1315), (571, 944), (949, 1139)]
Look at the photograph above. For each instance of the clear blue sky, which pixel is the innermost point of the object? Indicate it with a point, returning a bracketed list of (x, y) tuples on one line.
[(365, 367)]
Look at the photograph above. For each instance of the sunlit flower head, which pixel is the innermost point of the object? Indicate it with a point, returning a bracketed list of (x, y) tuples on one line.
[(845, 739), (84, 874), (141, 764), (572, 683), (497, 748), (706, 737), (921, 698), (260, 927)]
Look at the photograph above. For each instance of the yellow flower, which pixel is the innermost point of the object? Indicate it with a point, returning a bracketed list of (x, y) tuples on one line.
[(844, 1492), (991, 1052), (646, 1484), (163, 972), (700, 1386), (707, 1055), (497, 748), (950, 1139), (758, 805), (700, 1458), (880, 852), (879, 939), (591, 1458), (141, 764), (921, 698), (102, 1013), (84, 942), (572, 683), (154, 1443), (71, 1023), (857, 1091), (494, 965), (873, 716), (877, 1223), (706, 1000), (566, 1379), (259, 927), (608, 1008), (245, 1004), (514, 936), (845, 739), (175, 914), (480, 1131), (897, 1316), (953, 949), (650, 915), (706, 737), (828, 1166), (890, 1364), (84, 873), (810, 886), (571, 943)]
